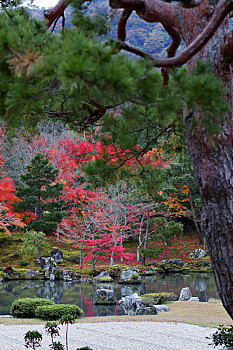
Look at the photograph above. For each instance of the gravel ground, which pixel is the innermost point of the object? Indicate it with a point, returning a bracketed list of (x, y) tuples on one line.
[(116, 336)]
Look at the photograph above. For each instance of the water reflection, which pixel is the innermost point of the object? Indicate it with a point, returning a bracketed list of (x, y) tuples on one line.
[(79, 294)]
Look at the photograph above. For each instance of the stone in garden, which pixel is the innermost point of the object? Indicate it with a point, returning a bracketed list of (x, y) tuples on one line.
[(67, 275), (103, 277), (32, 274), (57, 255), (194, 299), (134, 305), (104, 297), (197, 254), (185, 294), (6, 316), (130, 275), (51, 270), (44, 261), (160, 308)]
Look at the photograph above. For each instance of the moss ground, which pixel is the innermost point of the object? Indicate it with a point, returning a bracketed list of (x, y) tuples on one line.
[(12, 252)]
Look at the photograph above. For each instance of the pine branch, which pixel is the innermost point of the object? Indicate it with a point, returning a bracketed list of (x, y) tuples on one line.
[(221, 11)]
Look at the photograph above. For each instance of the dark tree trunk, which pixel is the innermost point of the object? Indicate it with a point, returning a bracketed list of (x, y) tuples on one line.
[(213, 163)]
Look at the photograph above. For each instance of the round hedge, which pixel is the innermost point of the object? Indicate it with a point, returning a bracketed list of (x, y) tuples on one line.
[(54, 312), (25, 307)]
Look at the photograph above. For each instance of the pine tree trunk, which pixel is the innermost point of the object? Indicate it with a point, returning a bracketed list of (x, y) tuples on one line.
[(213, 164)]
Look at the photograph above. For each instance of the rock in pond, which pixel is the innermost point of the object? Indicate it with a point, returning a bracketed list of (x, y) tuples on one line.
[(104, 297), (197, 254), (103, 277), (130, 275), (185, 294), (57, 255)]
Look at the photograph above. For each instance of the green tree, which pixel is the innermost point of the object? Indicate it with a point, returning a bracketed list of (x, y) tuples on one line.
[(77, 78), (181, 189), (40, 194), (33, 243)]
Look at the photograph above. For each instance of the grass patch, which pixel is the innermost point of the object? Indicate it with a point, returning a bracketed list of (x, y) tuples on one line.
[(201, 314)]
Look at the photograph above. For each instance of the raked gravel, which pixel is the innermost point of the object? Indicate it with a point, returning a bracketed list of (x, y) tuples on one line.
[(116, 336)]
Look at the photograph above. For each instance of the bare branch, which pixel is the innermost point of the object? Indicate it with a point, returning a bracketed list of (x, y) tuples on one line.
[(221, 11), (56, 12), (121, 29), (171, 50)]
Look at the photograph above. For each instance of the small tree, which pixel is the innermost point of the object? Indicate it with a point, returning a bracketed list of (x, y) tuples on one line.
[(40, 195), (33, 242), (33, 340)]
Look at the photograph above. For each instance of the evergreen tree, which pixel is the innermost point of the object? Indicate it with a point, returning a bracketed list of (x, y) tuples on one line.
[(40, 194), (77, 78)]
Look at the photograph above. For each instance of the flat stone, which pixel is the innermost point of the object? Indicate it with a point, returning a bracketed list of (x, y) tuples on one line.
[(194, 299), (160, 308)]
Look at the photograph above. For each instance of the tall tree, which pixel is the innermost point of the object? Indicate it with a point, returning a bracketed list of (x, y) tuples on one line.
[(40, 195), (85, 78), (212, 161)]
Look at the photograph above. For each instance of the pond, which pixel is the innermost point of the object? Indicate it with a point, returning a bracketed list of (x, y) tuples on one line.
[(81, 294)]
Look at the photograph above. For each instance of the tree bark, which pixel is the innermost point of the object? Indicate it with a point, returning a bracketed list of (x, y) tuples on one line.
[(213, 163), (205, 33)]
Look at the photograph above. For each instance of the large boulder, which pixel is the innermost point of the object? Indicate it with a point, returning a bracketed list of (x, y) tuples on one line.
[(103, 277), (57, 255), (51, 270), (134, 305), (130, 275), (197, 254), (104, 297), (160, 308), (185, 294)]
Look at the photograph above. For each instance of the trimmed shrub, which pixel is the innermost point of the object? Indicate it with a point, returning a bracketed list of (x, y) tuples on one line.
[(25, 307), (55, 312), (158, 298)]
